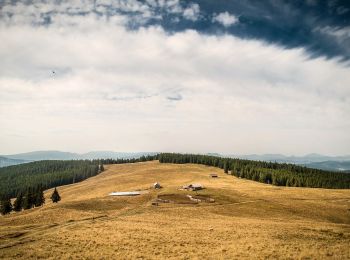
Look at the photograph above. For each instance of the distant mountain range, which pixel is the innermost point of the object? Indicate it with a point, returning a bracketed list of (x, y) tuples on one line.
[(8, 161), (318, 161), (13, 159), (331, 166), (305, 159)]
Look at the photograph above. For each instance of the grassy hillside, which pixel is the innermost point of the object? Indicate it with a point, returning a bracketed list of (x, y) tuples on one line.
[(247, 220), (280, 174)]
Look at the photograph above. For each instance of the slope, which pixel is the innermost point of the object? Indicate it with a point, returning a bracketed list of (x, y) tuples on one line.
[(247, 219)]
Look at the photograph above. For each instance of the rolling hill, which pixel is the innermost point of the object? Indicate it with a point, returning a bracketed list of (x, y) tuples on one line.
[(4, 161), (330, 165), (317, 161), (58, 155), (246, 219), (42, 155), (305, 159), (14, 159)]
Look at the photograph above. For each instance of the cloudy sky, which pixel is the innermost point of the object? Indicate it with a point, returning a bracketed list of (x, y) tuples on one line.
[(222, 76)]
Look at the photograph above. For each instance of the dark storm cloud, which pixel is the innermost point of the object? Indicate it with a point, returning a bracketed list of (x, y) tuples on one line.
[(322, 28)]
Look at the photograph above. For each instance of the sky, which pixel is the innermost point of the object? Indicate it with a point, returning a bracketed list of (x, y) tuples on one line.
[(234, 77)]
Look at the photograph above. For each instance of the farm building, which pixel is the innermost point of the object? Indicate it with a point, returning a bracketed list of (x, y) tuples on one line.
[(193, 187), (213, 175), (156, 185)]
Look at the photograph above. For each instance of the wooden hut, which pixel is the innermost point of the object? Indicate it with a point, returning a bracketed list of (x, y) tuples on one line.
[(193, 187), (156, 185)]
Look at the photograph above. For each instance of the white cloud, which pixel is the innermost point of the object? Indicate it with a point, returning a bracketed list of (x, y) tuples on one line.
[(151, 91), (192, 12), (225, 19), (135, 12)]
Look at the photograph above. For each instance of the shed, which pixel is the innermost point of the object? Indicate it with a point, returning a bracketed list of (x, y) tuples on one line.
[(196, 186), (156, 185), (193, 187)]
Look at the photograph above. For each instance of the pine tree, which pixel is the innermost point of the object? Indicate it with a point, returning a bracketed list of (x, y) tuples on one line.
[(39, 197), (101, 168), (28, 202), (55, 197), (18, 204), (226, 167), (6, 206)]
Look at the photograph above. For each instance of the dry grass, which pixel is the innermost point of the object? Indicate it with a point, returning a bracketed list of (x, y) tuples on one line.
[(247, 219)]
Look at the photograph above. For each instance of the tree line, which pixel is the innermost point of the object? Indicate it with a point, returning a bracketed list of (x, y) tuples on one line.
[(143, 158), (30, 199), (280, 174), (45, 174)]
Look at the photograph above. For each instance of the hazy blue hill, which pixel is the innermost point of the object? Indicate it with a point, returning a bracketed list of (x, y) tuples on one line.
[(111, 155), (8, 161), (313, 160), (314, 157), (263, 157), (58, 155), (43, 155), (214, 154), (97, 154), (309, 158), (330, 165)]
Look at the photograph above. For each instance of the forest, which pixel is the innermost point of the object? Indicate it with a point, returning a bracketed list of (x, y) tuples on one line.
[(279, 174), (46, 174), (143, 158), (52, 173)]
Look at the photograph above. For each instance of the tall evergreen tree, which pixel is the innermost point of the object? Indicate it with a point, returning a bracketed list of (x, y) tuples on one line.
[(39, 197), (101, 168), (18, 204), (6, 206), (28, 201), (226, 167), (55, 197)]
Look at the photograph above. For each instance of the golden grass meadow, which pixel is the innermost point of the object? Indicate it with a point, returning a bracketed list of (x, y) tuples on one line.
[(248, 220)]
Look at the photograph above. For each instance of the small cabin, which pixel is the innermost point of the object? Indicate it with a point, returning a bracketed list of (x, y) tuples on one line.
[(193, 187), (156, 185), (213, 175)]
